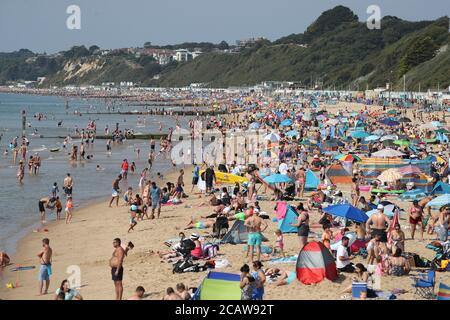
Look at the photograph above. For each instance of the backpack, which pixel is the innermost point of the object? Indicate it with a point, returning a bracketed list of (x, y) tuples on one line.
[(210, 250)]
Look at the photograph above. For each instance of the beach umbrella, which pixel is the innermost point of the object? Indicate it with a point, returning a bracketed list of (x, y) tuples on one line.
[(436, 124), (292, 133), (389, 137), (272, 137), (439, 201), (277, 178), (359, 134), (332, 122), (254, 125), (372, 138), (402, 142), (415, 194), (392, 111), (390, 175), (321, 117), (347, 157), (279, 114), (409, 169), (404, 119), (442, 130), (286, 123), (389, 122), (387, 153), (389, 143), (307, 117), (347, 211), (260, 114), (378, 132)]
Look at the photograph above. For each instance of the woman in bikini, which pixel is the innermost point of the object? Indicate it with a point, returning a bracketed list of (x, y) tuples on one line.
[(415, 218), (300, 182)]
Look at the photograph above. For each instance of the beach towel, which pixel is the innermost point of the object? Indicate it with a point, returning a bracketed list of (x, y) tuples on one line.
[(289, 259), (444, 292), (264, 249), (222, 263)]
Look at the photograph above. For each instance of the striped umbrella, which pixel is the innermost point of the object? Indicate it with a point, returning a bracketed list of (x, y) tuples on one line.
[(347, 157)]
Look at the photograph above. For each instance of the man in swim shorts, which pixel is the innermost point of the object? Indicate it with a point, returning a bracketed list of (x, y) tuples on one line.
[(45, 270), (255, 226), (379, 224), (115, 191), (156, 196)]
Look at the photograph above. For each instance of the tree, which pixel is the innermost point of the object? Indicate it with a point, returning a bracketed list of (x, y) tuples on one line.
[(93, 48), (223, 45), (422, 50), (148, 44)]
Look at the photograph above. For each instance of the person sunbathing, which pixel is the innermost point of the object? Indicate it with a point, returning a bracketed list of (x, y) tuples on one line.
[(193, 224), (281, 277)]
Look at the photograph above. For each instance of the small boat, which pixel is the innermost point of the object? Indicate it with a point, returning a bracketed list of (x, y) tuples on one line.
[(54, 149)]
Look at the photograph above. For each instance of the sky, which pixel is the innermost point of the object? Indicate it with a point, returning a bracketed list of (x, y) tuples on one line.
[(40, 25)]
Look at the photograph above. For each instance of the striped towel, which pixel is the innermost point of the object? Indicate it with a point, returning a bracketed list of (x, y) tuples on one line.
[(444, 292)]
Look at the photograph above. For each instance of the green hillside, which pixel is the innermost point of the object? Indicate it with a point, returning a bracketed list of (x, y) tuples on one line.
[(335, 51)]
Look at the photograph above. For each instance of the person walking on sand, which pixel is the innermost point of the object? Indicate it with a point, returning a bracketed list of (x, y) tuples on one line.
[(195, 176), (303, 227), (255, 226), (116, 264), (69, 210), (115, 191), (156, 196), (45, 271)]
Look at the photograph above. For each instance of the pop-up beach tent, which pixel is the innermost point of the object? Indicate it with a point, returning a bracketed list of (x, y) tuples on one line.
[(312, 181), (237, 234), (291, 216), (315, 263), (219, 286)]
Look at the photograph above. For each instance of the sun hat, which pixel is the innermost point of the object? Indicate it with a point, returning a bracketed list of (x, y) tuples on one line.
[(380, 207), (194, 236)]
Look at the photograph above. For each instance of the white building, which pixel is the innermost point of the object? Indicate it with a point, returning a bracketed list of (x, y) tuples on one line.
[(182, 55)]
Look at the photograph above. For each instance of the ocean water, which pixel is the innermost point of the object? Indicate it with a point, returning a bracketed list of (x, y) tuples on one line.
[(19, 212)]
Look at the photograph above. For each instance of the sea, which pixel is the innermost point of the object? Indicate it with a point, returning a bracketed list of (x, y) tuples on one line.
[(19, 212)]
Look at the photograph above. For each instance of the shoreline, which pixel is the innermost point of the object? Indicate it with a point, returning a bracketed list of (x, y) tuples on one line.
[(22, 256)]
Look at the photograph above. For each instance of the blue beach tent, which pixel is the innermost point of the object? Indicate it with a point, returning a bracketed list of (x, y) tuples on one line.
[(291, 217)]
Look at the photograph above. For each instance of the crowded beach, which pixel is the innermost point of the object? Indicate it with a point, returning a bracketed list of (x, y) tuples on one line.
[(312, 200)]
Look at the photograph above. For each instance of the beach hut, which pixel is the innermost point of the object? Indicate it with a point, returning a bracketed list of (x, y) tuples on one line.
[(219, 286), (315, 263)]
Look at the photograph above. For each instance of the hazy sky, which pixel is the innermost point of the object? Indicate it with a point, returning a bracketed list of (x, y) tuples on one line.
[(40, 25)]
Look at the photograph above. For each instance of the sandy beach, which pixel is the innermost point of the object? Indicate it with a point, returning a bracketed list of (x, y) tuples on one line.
[(87, 243)]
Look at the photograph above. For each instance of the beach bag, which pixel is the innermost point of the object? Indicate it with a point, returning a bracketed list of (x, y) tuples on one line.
[(210, 250)]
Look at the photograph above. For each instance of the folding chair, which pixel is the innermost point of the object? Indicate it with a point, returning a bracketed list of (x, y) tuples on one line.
[(425, 285)]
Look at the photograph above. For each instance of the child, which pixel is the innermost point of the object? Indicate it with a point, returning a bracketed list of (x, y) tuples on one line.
[(55, 190), (69, 209), (128, 196), (279, 244), (133, 167), (133, 223), (58, 207)]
